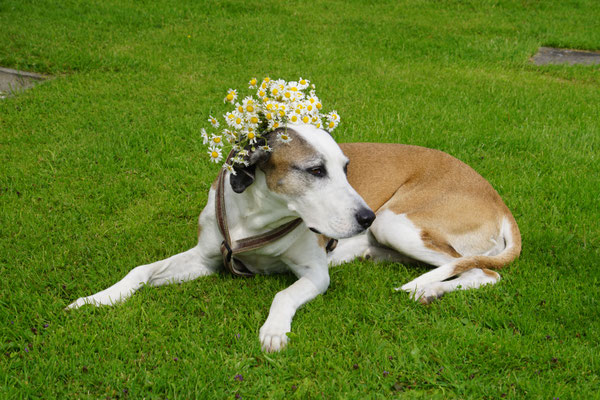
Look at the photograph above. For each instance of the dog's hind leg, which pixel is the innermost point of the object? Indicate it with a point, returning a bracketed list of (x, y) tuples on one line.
[(471, 279), (348, 249), (182, 267)]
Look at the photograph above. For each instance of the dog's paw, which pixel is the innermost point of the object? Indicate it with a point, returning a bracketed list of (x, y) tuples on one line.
[(423, 294), (273, 336), (76, 304), (93, 300)]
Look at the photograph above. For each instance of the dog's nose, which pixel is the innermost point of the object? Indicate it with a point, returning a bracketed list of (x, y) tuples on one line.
[(365, 217)]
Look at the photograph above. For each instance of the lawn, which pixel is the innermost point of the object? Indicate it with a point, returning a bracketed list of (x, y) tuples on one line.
[(102, 168)]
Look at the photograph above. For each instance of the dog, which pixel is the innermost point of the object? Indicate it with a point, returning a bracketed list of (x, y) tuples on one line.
[(430, 208)]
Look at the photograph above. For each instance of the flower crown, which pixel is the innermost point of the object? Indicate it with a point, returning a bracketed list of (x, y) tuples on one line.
[(277, 103)]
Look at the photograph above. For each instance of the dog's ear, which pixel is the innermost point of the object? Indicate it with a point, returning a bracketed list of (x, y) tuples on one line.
[(244, 176)]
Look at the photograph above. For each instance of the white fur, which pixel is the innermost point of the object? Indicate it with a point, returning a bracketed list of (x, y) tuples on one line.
[(328, 206)]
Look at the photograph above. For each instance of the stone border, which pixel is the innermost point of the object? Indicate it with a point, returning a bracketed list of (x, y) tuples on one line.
[(557, 56), (12, 81)]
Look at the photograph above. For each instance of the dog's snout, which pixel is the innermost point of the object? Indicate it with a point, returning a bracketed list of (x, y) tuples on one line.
[(365, 217)]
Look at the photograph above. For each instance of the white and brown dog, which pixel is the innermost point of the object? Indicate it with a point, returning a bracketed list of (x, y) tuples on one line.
[(430, 207)]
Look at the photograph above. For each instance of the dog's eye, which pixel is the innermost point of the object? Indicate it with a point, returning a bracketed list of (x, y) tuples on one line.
[(317, 171)]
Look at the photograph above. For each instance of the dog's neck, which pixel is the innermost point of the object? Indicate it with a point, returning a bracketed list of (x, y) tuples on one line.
[(256, 209)]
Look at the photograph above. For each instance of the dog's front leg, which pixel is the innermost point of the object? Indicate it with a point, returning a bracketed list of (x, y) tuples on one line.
[(178, 268), (273, 333)]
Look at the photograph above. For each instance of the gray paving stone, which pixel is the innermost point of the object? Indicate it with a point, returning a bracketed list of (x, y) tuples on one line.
[(12, 81), (552, 55)]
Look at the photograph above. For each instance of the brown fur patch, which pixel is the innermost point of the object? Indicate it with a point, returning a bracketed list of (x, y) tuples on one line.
[(445, 198), (279, 168), (323, 240), (436, 242), (491, 274)]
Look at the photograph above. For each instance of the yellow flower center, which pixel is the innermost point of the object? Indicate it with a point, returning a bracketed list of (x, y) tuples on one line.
[(253, 82), (284, 137), (294, 118), (331, 124), (261, 93), (241, 109), (231, 116), (305, 119), (267, 79), (214, 154), (312, 100), (238, 121), (303, 82), (250, 108), (294, 89), (309, 107), (275, 91), (254, 120), (229, 97), (288, 95), (276, 125), (269, 116), (319, 106), (282, 113), (217, 140), (250, 135), (270, 107)]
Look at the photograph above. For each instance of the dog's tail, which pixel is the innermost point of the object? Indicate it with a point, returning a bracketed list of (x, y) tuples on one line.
[(509, 232)]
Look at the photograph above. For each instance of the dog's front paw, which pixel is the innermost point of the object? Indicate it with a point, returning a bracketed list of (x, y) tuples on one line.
[(76, 304), (273, 336), (94, 300)]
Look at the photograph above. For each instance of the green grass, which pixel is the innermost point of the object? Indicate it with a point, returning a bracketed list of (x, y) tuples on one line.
[(102, 169)]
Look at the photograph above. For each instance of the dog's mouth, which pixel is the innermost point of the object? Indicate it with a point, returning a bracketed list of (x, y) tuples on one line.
[(315, 230)]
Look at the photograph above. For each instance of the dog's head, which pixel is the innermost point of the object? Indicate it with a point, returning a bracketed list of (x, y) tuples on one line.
[(309, 175)]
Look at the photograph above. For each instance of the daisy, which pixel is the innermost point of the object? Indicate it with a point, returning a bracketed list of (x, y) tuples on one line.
[(262, 93), (213, 121), (231, 96), (215, 154), (229, 117), (253, 120), (265, 83), (283, 137), (333, 116), (216, 141), (274, 124), (293, 86), (251, 137), (238, 122), (303, 83), (248, 104), (266, 147), (231, 136), (331, 125), (253, 82), (240, 161), (229, 167), (204, 136)]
